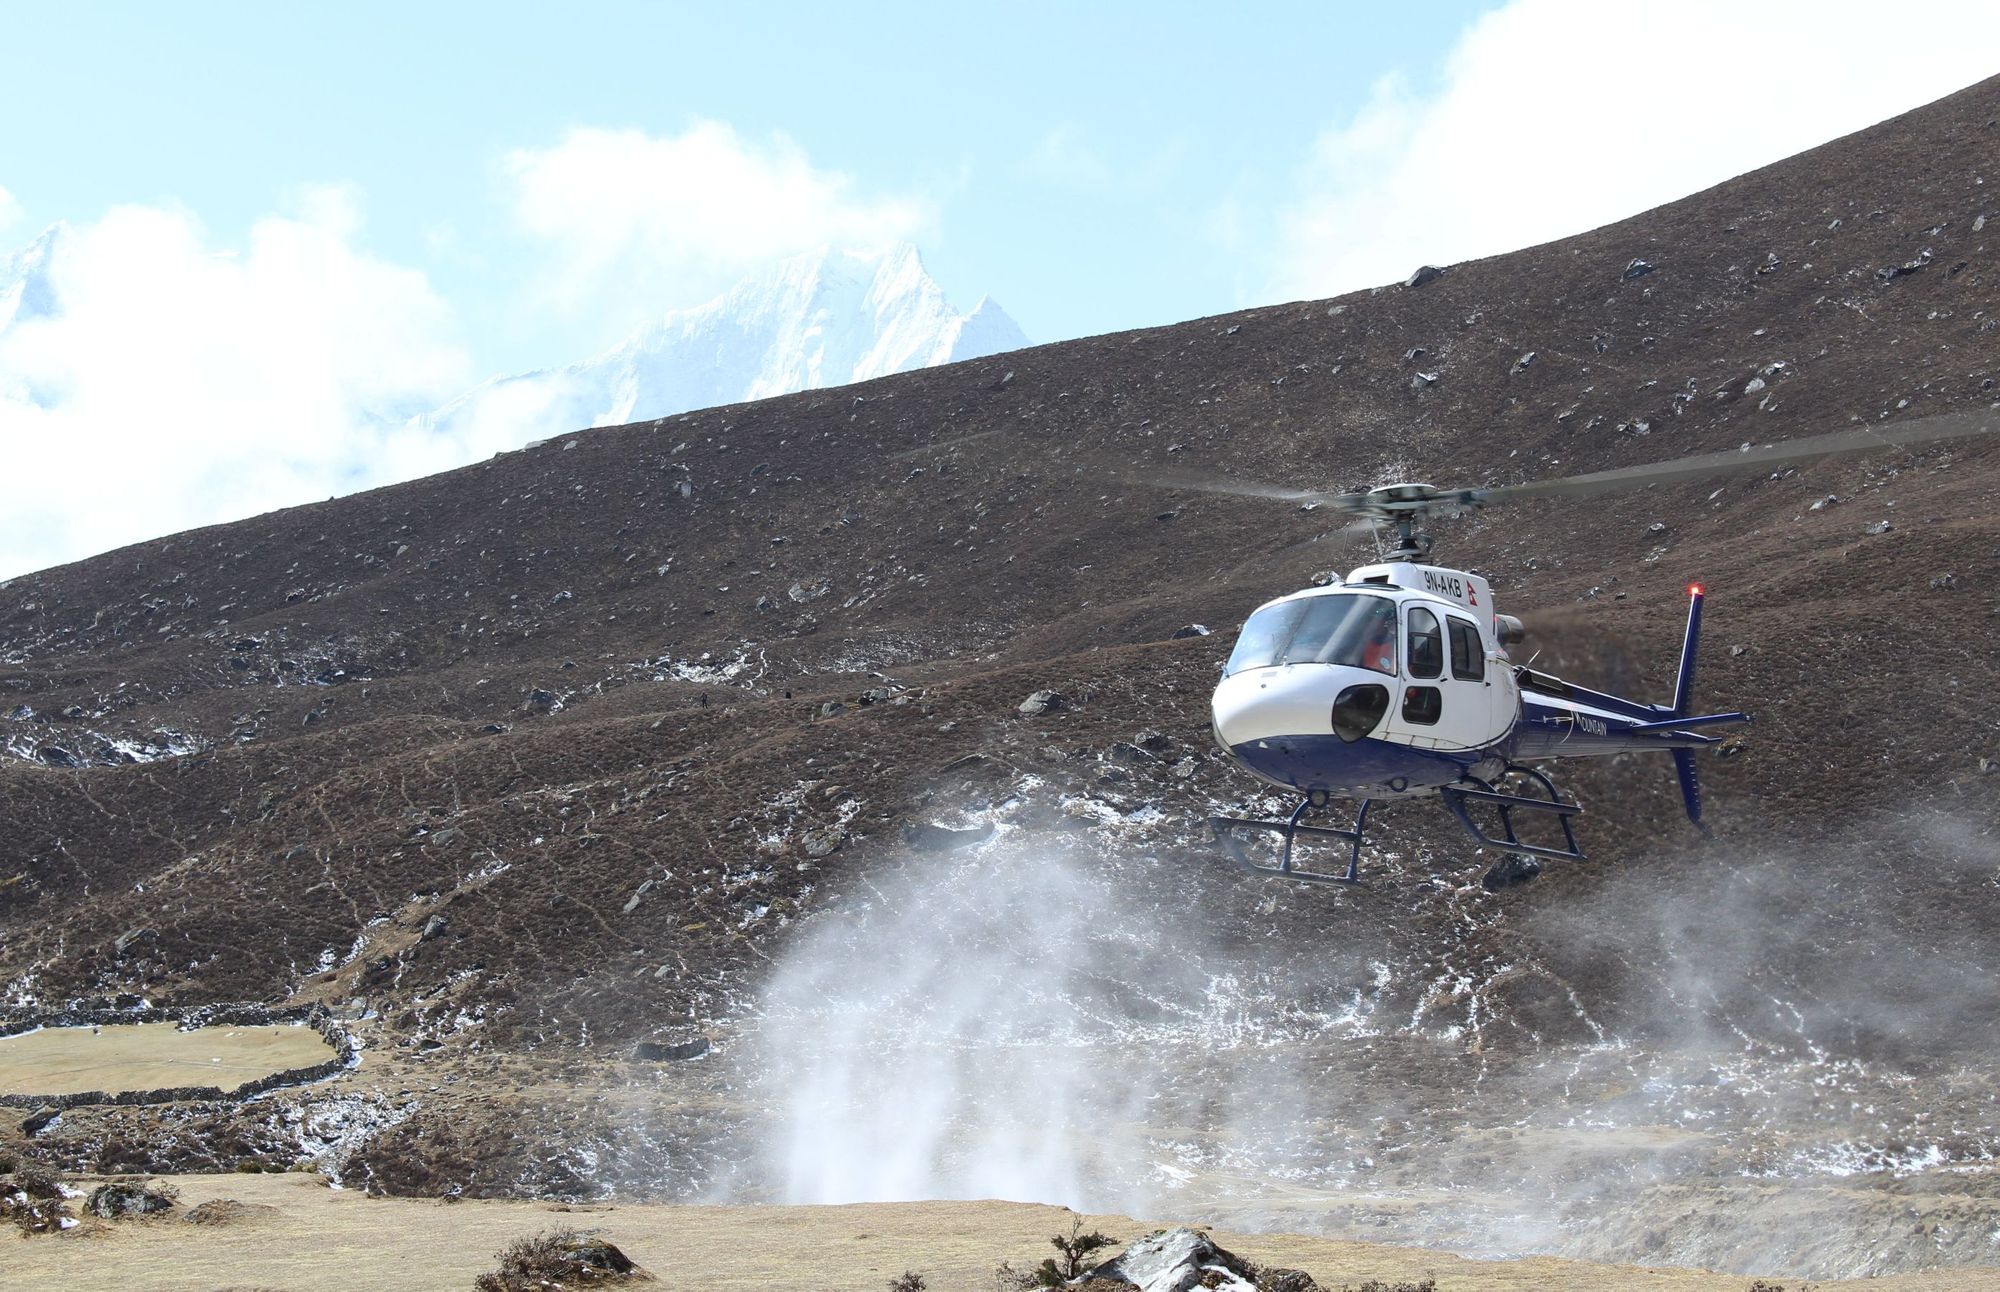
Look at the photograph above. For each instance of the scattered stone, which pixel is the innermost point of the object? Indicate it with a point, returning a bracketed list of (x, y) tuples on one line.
[(1657, 527), (433, 927), (1521, 364), (1637, 268), (1413, 354), (877, 695), (925, 837), (638, 895), (832, 709), (1988, 766), (448, 836), (1945, 581), (1192, 630), (1877, 527), (40, 1120), (1425, 274), (1424, 381), (1890, 272), (1737, 652), (1825, 502), (541, 701), (1043, 702)]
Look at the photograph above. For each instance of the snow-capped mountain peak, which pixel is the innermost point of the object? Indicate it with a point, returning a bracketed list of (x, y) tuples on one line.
[(824, 317)]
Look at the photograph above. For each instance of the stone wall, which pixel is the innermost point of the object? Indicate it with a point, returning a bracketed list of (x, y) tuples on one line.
[(347, 1051)]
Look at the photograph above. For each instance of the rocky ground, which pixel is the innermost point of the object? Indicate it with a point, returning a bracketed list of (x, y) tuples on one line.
[(595, 782)]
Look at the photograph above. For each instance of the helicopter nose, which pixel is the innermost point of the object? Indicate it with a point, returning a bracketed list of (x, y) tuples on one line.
[(1289, 700)]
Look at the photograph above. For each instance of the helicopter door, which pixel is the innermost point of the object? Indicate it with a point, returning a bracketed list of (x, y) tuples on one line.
[(1445, 703), (1488, 707)]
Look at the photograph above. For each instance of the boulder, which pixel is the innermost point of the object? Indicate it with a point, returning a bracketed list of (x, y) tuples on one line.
[(823, 842), (1044, 702), (1177, 1261), (1511, 871), (670, 1052), (114, 1201), (1192, 630), (1424, 274), (1637, 268)]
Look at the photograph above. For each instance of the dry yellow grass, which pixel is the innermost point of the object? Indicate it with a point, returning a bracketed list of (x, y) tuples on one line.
[(151, 1056), (313, 1237)]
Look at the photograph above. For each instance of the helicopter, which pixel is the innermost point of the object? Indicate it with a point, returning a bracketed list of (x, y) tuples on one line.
[(1395, 682)]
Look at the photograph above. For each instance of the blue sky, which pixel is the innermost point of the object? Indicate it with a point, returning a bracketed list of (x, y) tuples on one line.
[(290, 226), (1076, 154)]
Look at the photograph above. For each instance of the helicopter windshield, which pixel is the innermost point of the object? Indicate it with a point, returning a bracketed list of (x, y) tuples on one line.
[(1340, 628)]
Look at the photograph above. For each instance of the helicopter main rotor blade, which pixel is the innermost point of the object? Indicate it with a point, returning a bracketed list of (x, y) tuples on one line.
[(1863, 439), (1207, 482)]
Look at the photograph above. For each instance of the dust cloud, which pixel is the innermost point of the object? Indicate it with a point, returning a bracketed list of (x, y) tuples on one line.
[(1740, 1057), (1003, 1025)]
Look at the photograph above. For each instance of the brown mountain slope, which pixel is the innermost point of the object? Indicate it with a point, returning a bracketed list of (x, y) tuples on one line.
[(537, 753)]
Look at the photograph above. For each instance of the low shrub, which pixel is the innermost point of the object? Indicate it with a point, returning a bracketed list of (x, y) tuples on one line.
[(559, 1259), (31, 1200)]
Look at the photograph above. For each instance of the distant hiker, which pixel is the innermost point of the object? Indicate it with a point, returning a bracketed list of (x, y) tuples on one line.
[(704, 699)]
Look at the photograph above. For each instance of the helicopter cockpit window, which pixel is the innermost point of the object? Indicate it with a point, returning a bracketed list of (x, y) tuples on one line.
[(1426, 644), (1339, 628)]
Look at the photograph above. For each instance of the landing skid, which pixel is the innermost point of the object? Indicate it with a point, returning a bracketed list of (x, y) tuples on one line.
[(1222, 827), (1456, 797), (1459, 799)]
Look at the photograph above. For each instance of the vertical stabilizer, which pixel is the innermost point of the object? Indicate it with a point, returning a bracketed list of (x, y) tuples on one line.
[(1684, 767), (1684, 684)]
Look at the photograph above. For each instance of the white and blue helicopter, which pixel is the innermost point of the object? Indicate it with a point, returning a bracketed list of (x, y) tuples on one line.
[(1395, 682)]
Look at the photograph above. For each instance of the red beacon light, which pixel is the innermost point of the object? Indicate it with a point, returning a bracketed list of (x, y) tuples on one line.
[(1694, 589)]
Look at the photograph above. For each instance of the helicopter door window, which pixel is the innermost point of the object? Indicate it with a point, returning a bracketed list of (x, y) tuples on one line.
[(1422, 704), (1426, 644), (1468, 661)]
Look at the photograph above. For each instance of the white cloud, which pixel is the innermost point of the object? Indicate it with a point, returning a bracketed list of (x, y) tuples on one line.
[(638, 224), (1556, 116), (10, 210), (161, 383)]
